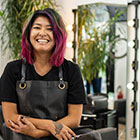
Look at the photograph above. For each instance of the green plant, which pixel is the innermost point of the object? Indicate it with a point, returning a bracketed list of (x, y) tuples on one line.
[(85, 19), (92, 54), (95, 43), (13, 18)]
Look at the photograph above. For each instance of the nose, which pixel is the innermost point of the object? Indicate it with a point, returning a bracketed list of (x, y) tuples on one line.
[(42, 33)]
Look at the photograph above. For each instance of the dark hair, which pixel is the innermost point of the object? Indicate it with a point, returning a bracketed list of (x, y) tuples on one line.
[(59, 34)]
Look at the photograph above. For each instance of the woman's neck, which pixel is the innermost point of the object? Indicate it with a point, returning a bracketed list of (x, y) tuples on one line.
[(42, 59), (42, 64)]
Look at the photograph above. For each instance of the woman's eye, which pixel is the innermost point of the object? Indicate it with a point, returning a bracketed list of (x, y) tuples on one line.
[(36, 27), (50, 29)]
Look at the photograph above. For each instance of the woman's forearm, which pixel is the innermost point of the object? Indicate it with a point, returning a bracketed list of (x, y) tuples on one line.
[(57, 129), (42, 124), (9, 112), (41, 133), (71, 120)]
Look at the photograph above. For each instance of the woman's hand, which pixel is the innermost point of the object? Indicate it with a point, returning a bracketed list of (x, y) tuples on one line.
[(61, 131), (23, 126)]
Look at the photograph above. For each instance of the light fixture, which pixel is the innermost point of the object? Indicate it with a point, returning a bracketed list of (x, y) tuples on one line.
[(133, 85), (130, 86), (69, 44), (69, 27), (135, 44), (131, 23), (131, 44)]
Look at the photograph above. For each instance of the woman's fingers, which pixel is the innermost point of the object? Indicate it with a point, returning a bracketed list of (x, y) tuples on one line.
[(15, 130), (22, 121), (63, 132), (23, 126), (72, 133), (25, 121), (13, 125), (64, 137), (67, 136)]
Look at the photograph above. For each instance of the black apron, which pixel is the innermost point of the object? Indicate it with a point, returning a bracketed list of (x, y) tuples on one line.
[(40, 99)]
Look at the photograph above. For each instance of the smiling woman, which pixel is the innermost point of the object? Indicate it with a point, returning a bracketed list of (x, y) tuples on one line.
[(36, 27), (41, 36), (44, 96)]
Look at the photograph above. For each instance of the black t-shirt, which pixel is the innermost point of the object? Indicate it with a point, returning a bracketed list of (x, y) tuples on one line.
[(71, 74)]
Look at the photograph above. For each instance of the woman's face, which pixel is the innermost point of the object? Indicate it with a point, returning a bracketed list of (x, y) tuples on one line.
[(41, 35)]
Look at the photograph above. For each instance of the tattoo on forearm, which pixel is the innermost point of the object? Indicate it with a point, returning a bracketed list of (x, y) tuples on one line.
[(58, 128)]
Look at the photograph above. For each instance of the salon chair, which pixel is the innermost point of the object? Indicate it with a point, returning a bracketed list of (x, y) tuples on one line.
[(100, 134)]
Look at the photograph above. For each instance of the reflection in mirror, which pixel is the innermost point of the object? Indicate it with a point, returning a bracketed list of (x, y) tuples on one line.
[(102, 50)]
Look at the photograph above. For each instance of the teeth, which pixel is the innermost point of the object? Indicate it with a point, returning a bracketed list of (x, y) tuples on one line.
[(43, 41)]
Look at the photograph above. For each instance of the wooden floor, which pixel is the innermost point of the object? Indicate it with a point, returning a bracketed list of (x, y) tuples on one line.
[(121, 132)]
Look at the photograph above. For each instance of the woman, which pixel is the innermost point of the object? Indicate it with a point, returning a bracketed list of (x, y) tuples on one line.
[(43, 93)]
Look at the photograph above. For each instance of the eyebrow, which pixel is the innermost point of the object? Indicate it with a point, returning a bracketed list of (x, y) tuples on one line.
[(49, 25)]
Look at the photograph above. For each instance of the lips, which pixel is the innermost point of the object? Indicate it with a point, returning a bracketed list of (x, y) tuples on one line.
[(42, 40)]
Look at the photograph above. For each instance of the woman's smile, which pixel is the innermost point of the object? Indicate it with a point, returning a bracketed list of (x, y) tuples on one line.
[(41, 36), (43, 41)]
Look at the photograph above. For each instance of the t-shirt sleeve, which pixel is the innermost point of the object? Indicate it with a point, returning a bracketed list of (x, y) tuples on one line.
[(76, 90), (8, 85)]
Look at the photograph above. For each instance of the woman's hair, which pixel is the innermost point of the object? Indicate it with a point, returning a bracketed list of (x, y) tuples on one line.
[(59, 34)]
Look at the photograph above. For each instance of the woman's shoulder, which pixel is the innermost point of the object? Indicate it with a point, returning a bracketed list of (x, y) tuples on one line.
[(13, 66), (69, 64), (12, 70), (14, 63), (71, 67)]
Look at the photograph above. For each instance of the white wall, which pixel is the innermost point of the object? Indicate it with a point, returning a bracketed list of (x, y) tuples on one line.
[(3, 56)]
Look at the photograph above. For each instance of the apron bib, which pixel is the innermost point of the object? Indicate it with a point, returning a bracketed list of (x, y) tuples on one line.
[(40, 99)]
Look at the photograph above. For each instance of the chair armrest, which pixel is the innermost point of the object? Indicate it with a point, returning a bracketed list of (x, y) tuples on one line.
[(100, 134)]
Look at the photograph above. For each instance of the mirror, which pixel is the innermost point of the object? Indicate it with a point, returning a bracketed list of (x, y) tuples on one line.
[(102, 51)]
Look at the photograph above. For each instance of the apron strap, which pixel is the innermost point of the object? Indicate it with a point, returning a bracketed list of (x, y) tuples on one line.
[(22, 83), (61, 80), (60, 73), (23, 71)]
